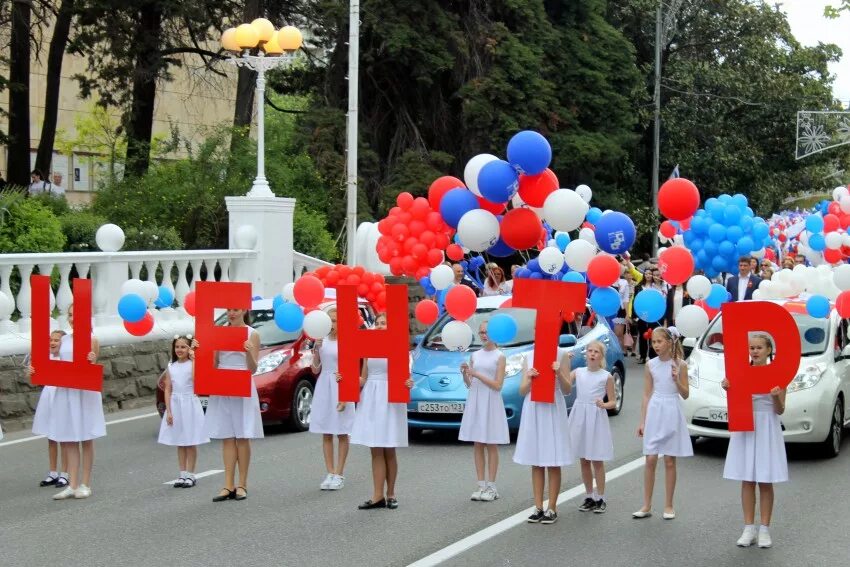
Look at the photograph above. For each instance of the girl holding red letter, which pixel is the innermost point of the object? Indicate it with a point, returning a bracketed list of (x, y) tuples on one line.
[(40, 422)]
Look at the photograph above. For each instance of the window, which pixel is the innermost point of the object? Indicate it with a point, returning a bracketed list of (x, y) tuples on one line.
[(814, 334)]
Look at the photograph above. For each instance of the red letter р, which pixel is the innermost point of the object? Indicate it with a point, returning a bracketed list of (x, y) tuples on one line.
[(550, 299), (355, 343), (210, 380)]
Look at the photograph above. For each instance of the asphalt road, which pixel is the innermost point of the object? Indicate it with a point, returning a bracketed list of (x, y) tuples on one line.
[(134, 519)]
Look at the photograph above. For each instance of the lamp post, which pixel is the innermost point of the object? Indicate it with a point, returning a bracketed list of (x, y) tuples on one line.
[(273, 49)]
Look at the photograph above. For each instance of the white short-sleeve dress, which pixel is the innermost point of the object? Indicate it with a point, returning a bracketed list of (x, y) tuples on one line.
[(189, 428), (484, 418), (665, 431), (324, 417)]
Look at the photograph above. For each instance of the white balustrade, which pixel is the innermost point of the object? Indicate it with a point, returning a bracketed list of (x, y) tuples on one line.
[(302, 263)]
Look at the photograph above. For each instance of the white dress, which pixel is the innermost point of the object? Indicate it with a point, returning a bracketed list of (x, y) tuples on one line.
[(759, 455), (237, 417), (665, 431), (544, 434), (75, 415), (188, 428), (42, 410), (590, 432), (324, 417), (378, 423), (484, 418)]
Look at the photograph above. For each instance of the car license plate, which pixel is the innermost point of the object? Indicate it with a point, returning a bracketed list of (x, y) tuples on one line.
[(718, 415), (441, 407), (204, 401)]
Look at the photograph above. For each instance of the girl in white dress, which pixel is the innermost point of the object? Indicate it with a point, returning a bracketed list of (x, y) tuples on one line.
[(233, 419), (381, 426), (183, 423), (543, 441), (590, 432), (662, 423), (39, 422), (484, 421), (758, 457), (327, 415)]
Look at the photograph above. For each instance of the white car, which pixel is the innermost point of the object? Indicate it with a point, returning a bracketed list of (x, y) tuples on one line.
[(815, 407)]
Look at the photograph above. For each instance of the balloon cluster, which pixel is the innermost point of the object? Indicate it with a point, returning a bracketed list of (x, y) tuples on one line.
[(296, 308), (136, 298), (370, 286), (413, 237)]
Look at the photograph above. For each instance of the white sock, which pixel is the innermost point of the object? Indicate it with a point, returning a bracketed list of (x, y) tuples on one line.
[(190, 475), (590, 495), (750, 527), (63, 475), (763, 528), (601, 497), (482, 484), (52, 474), (183, 474), (595, 495), (491, 485)]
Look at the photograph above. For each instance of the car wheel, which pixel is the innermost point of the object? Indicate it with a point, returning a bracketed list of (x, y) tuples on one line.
[(832, 444), (302, 403), (618, 389)]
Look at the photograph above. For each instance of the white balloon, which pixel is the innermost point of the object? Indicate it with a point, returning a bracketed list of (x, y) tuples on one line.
[(804, 237), (551, 242), (109, 238), (692, 321), (551, 260), (517, 201), (679, 240), (578, 254), (841, 277), (478, 230), (845, 239), (288, 292), (151, 290), (766, 288), (699, 287), (759, 254), (565, 209), (134, 286), (442, 277), (839, 192), (661, 250), (584, 192), (246, 237), (456, 335), (845, 203), (833, 240), (588, 235), (317, 324), (757, 295), (7, 306), (473, 168)]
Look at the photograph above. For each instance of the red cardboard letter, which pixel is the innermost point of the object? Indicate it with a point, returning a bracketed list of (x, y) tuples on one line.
[(739, 320), (210, 380), (79, 373), (356, 343), (551, 299)]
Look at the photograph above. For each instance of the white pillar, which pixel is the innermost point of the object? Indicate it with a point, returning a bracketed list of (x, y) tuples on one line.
[(272, 218)]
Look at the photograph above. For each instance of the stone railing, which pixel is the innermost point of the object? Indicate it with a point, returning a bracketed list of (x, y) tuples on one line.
[(302, 263)]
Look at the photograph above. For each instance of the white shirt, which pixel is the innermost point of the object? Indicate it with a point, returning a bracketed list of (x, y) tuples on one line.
[(678, 299), (743, 282), (491, 291), (54, 189), (37, 187), (625, 292)]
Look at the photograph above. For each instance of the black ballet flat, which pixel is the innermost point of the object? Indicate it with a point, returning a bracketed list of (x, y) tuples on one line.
[(369, 505), (236, 494), (392, 503), (231, 495)]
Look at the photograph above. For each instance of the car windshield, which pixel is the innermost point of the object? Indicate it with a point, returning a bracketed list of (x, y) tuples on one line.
[(814, 334), (262, 321)]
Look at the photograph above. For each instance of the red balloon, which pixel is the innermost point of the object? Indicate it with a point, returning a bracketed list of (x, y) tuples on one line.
[(189, 303), (427, 312), (568, 316), (420, 208), (509, 302), (454, 252), (842, 304), (434, 221), (678, 199), (520, 228), (435, 258), (142, 327), (844, 219), (441, 240), (428, 238), (352, 279), (834, 209), (400, 232), (422, 272), (409, 265), (782, 237), (832, 256), (460, 302), (322, 272), (603, 270), (420, 251), (495, 208), (710, 311), (830, 223), (667, 229), (676, 265), (395, 266), (308, 291), (417, 227), (362, 290), (358, 270), (533, 189), (332, 278), (440, 187), (685, 224), (404, 200)]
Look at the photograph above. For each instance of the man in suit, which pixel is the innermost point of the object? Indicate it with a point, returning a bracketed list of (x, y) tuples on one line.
[(745, 283)]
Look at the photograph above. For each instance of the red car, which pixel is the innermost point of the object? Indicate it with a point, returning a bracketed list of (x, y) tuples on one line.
[(283, 378)]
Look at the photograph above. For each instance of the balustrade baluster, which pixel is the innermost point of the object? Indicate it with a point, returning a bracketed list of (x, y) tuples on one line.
[(23, 300), (6, 323)]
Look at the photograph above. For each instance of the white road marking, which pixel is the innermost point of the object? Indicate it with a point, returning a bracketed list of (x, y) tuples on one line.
[(516, 520), (199, 475), (123, 420)]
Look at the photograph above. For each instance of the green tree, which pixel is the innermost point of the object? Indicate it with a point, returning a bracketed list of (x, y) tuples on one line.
[(29, 226)]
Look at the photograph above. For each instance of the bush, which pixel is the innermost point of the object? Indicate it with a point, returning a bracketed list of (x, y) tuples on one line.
[(29, 226), (311, 237), (80, 228), (152, 238), (58, 205)]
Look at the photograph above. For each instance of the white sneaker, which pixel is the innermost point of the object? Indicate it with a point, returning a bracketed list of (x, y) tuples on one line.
[(764, 539), (326, 484), (476, 496), (64, 494), (489, 494), (82, 492), (337, 482), (748, 537)]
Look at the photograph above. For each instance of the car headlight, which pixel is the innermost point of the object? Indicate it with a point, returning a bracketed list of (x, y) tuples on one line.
[(693, 374), (808, 378), (513, 364), (270, 362)]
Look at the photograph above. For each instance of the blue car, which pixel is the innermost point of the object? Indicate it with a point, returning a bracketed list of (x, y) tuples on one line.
[(438, 397)]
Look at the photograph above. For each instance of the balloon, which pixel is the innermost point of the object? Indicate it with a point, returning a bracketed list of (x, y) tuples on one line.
[(561, 240), (573, 277), (839, 193), (605, 301), (520, 229), (109, 238), (165, 297), (564, 210), (455, 204), (717, 296), (699, 287), (498, 181), (584, 192), (141, 327), (578, 254), (308, 292), (593, 215), (478, 230), (678, 199), (501, 328), (814, 223), (132, 308), (317, 324), (587, 235), (460, 302), (440, 187), (603, 270), (842, 304), (831, 222), (427, 312), (533, 189), (841, 277), (667, 229), (442, 277), (817, 242), (189, 303), (473, 169), (404, 200), (529, 152), (454, 252), (615, 232), (288, 317), (833, 240), (551, 260), (456, 336), (692, 321), (495, 208), (135, 286), (650, 305), (676, 265), (818, 306)]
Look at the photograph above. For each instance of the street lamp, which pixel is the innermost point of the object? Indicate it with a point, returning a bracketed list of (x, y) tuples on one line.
[(273, 49)]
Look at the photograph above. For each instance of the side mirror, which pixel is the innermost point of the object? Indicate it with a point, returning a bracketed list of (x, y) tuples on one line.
[(689, 342), (567, 340), (417, 339)]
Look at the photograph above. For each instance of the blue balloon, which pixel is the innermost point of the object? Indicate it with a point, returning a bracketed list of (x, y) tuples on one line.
[(818, 306), (533, 265), (573, 277), (731, 216), (498, 181), (650, 305), (740, 201), (529, 152), (277, 301), (165, 297), (500, 249), (746, 223), (289, 317), (536, 275), (703, 260), (814, 223), (475, 262), (718, 263), (501, 328), (699, 225), (615, 232), (132, 308), (760, 231), (593, 215), (717, 296), (817, 242), (456, 203), (725, 198), (746, 246), (523, 273), (561, 240), (605, 301), (710, 247), (726, 248), (734, 233), (716, 232), (718, 212)]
